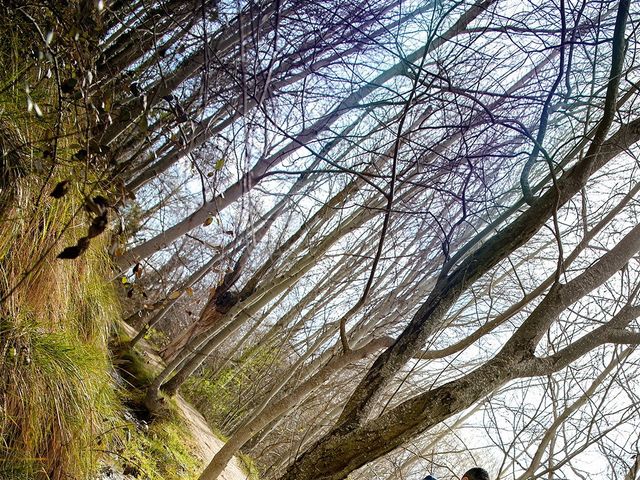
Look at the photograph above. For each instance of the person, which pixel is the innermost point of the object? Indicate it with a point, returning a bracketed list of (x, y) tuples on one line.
[(476, 473)]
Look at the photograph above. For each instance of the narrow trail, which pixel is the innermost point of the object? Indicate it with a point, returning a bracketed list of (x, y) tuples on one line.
[(206, 441)]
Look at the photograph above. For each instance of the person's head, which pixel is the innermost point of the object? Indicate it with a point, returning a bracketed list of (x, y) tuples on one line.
[(476, 473)]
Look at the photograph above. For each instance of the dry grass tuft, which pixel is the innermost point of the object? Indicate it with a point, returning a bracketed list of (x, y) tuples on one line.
[(56, 390), (57, 393)]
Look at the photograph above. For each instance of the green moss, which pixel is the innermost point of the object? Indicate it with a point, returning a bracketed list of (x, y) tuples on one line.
[(133, 367), (164, 448), (165, 452)]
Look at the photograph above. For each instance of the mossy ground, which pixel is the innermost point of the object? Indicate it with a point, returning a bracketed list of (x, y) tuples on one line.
[(164, 452), (163, 448)]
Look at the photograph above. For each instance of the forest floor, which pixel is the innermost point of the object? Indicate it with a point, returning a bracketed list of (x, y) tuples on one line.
[(205, 440)]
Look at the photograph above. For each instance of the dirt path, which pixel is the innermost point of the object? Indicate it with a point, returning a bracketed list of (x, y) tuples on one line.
[(207, 442)]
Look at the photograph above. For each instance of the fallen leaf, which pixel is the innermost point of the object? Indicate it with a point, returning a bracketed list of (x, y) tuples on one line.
[(98, 225), (68, 85), (61, 189), (70, 253)]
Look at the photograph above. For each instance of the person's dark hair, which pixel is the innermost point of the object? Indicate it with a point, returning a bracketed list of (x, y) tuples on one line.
[(476, 473)]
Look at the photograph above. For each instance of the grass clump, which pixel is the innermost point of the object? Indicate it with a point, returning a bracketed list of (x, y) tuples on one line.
[(55, 375), (57, 396), (157, 338)]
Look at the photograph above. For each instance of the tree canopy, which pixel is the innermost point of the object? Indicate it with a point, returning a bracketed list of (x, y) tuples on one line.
[(374, 235)]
